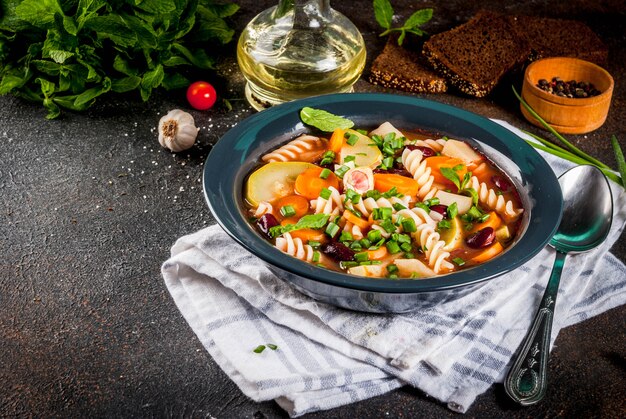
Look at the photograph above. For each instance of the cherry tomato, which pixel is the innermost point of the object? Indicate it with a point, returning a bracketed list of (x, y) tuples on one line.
[(201, 95)]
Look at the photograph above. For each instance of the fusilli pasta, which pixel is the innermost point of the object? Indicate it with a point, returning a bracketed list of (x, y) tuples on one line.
[(488, 197), (294, 150), (331, 206), (366, 205), (412, 161), (263, 208), (294, 247)]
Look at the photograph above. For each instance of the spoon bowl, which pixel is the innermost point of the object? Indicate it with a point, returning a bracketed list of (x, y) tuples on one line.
[(587, 210), (586, 221)]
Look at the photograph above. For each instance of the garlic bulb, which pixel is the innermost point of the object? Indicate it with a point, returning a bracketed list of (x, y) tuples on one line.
[(177, 130)]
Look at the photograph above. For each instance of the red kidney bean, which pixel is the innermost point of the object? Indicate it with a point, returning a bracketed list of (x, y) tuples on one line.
[(266, 222), (441, 209), (482, 238), (426, 151), (337, 251), (394, 171), (501, 183)]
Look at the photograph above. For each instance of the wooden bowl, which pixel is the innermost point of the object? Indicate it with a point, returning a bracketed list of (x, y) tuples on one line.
[(567, 115)]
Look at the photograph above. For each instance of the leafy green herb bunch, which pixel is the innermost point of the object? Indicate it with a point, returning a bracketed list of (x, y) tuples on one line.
[(66, 53)]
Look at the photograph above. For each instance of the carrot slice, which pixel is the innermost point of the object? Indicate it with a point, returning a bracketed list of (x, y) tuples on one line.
[(437, 162), (307, 234), (488, 253), (494, 221), (358, 221), (405, 185), (299, 203), (377, 254), (309, 183), (336, 140)]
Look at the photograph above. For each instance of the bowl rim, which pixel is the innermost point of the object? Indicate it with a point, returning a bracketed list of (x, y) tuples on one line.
[(222, 199), (567, 101)]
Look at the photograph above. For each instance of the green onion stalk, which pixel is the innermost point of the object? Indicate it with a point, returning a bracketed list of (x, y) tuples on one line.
[(570, 151)]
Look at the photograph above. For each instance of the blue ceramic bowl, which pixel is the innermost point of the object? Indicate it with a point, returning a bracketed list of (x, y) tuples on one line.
[(239, 151)]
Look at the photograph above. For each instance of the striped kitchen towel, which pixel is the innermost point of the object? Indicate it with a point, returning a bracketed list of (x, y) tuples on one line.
[(324, 356)]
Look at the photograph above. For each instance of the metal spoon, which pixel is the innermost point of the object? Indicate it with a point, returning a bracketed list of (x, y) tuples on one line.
[(587, 218)]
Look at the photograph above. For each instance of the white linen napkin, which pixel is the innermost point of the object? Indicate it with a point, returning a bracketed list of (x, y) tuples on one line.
[(453, 349)]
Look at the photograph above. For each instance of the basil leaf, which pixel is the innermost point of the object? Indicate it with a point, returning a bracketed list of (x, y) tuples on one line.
[(315, 221), (324, 120), (383, 12), (471, 192), (39, 13), (451, 175)]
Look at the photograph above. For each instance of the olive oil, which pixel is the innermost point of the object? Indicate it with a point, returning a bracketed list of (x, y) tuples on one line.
[(287, 53)]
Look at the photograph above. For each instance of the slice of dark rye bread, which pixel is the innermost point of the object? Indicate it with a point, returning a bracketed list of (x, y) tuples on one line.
[(549, 37), (476, 55), (404, 69)]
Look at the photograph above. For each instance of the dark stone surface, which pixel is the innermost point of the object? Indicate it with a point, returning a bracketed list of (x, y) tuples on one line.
[(91, 205)]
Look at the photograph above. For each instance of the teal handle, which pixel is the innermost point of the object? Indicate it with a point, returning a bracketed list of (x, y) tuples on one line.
[(527, 380)]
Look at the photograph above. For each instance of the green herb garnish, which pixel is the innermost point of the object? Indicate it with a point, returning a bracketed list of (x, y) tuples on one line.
[(259, 349), (332, 229), (452, 210), (458, 261), (325, 173), (325, 193), (341, 170), (66, 54), (327, 158), (324, 120), (393, 247), (384, 15), (272, 346), (314, 221), (287, 211)]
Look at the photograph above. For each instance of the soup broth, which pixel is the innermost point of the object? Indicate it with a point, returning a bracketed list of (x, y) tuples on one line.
[(384, 203)]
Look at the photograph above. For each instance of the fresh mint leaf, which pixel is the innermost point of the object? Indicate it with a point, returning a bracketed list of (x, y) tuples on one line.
[(60, 56), (323, 120), (383, 12), (39, 13), (125, 84), (90, 94), (418, 18), (112, 27)]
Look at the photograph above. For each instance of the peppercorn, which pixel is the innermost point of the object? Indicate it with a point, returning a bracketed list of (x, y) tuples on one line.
[(570, 89)]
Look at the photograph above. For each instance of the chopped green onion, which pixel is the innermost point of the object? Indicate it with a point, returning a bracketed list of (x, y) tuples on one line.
[(316, 257), (345, 264), (414, 275), (373, 194), (458, 261), (483, 218), (341, 170), (352, 139), (398, 206), (327, 158), (353, 196), (409, 255), (391, 193), (361, 257), (365, 242), (346, 236), (325, 173), (422, 206), (356, 246), (314, 244), (401, 238), (388, 162), (409, 226), (393, 247), (432, 201), (348, 159), (474, 212), (391, 268), (374, 235), (382, 213), (406, 247), (325, 193), (259, 349), (361, 131), (355, 212), (388, 225), (287, 211), (443, 225), (332, 229)]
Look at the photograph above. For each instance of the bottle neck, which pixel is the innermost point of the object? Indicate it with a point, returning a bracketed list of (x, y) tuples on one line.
[(308, 14)]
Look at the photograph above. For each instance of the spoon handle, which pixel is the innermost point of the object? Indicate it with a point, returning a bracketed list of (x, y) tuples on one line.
[(527, 380)]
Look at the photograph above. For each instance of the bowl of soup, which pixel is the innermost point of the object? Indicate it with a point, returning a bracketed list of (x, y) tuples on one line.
[(379, 202)]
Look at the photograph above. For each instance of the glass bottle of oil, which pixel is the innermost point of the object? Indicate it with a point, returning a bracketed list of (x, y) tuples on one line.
[(297, 49)]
